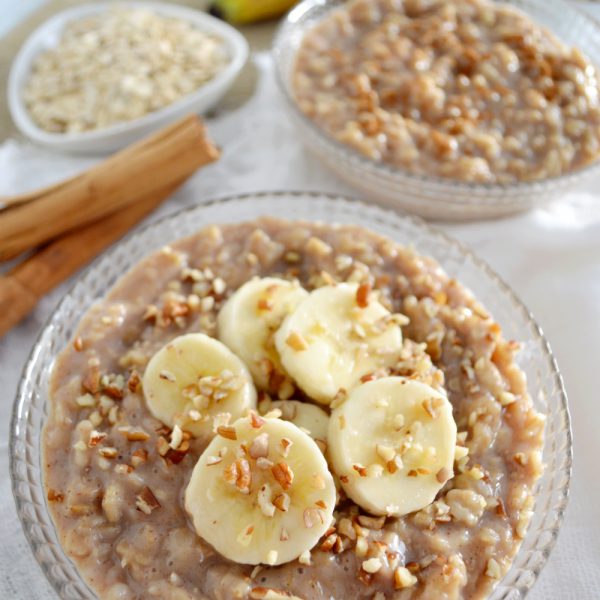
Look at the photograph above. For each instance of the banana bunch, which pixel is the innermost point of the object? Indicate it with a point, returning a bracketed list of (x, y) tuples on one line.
[(263, 491), (242, 12)]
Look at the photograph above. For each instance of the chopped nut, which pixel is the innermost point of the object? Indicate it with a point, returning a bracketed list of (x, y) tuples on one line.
[(263, 464), (285, 444), (238, 473), (475, 473), (227, 432), (54, 496), (506, 398), (460, 452), (162, 446), (362, 295), (375, 523), (432, 406), (296, 341), (362, 547), (264, 500), (213, 460), (304, 558), (146, 501), (283, 475), (259, 448), (134, 382), (329, 542), (255, 421), (135, 435), (282, 502), (176, 437), (385, 452), (122, 469), (139, 457), (403, 578), (493, 569), (362, 471), (95, 438), (372, 565), (86, 401), (108, 452)]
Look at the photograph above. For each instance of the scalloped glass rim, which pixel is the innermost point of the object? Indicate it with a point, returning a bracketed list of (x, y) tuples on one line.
[(450, 195), (536, 359)]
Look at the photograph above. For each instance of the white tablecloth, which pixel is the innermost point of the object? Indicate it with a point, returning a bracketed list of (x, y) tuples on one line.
[(550, 256)]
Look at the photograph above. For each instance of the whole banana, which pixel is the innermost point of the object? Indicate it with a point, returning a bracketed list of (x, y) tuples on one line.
[(242, 12)]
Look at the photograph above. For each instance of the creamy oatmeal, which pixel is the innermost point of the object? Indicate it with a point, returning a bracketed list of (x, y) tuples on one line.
[(123, 485), (470, 89)]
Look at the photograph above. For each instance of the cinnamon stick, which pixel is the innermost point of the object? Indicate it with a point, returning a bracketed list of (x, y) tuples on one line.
[(10, 201), (156, 162), (23, 286)]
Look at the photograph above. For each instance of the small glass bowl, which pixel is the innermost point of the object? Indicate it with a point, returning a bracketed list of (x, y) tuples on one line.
[(536, 359), (431, 197)]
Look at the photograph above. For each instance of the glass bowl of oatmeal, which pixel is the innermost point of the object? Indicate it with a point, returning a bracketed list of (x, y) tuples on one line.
[(450, 110), (149, 547)]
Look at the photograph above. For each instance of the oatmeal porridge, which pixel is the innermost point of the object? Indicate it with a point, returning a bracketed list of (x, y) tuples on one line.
[(281, 409), (471, 90)]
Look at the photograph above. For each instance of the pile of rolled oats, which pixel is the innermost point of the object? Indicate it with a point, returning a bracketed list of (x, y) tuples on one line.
[(470, 90), (118, 66)]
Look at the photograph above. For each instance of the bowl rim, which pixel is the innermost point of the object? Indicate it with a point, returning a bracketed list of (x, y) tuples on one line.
[(441, 184), (20, 401), (21, 67)]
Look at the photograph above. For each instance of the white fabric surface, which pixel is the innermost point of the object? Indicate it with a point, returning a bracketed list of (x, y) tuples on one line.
[(550, 256)]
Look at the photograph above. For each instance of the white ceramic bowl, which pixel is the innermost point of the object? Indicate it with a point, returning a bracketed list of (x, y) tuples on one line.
[(120, 135)]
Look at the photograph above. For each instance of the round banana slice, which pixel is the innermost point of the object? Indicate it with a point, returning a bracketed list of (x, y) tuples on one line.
[(248, 321), (261, 492), (392, 445), (308, 417), (193, 379), (334, 337)]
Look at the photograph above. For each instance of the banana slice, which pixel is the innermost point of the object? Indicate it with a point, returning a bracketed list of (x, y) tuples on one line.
[(308, 417), (334, 337), (261, 492), (248, 320), (392, 445), (194, 378)]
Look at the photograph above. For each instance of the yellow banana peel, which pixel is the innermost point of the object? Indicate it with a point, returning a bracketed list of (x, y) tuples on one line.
[(242, 12)]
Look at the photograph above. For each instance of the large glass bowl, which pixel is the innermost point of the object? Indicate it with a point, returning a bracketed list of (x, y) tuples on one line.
[(536, 359), (429, 196)]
